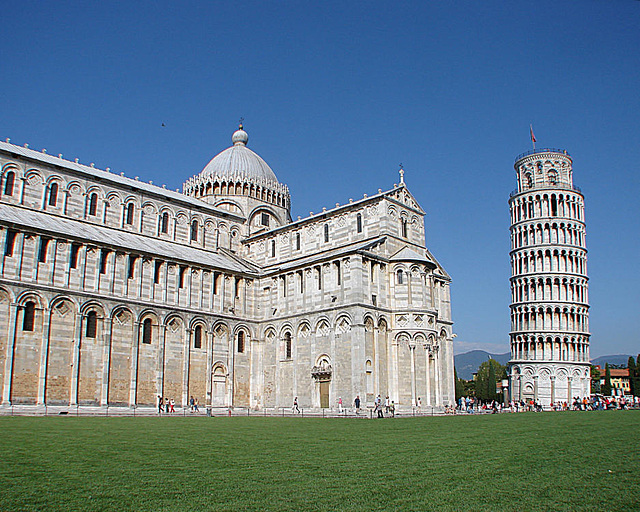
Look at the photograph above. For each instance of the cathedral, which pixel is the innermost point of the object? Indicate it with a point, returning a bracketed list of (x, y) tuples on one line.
[(114, 291)]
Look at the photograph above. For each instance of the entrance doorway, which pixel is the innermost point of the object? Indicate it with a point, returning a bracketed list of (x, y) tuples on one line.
[(324, 394)]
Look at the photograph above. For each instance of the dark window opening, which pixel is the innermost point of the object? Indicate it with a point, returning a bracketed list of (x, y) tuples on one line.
[(42, 253), (164, 223), (29, 316), (287, 345), (10, 242), (194, 231), (338, 273), (273, 248), (132, 267), (216, 277), (104, 254), (297, 241), (92, 324), (241, 342), (183, 272), (8, 184), (128, 219), (93, 204), (197, 337), (53, 194), (326, 233), (146, 331), (404, 227), (264, 219), (400, 277), (359, 222), (554, 206), (156, 272), (73, 260)]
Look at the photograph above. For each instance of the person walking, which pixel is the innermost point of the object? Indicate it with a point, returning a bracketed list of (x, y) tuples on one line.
[(295, 407), (195, 406), (191, 404), (160, 404), (173, 405), (340, 405), (387, 404)]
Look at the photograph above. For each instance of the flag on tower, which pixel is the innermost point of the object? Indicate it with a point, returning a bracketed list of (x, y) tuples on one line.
[(533, 137)]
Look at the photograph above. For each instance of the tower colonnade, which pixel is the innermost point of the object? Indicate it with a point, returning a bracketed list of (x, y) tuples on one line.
[(549, 285)]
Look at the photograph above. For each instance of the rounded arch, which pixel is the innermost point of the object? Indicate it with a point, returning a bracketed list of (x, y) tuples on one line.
[(152, 205), (323, 360), (34, 173), (198, 320), (7, 293), (230, 205), (31, 295), (148, 313)]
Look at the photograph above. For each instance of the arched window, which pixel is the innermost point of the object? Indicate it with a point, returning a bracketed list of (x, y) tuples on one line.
[(29, 316), (128, 219), (403, 226), (241, 342), (146, 331), (369, 377), (53, 194), (287, 345), (8, 184), (273, 248), (297, 241), (93, 204), (359, 222), (197, 337), (400, 277), (164, 223), (326, 233), (92, 324), (194, 231)]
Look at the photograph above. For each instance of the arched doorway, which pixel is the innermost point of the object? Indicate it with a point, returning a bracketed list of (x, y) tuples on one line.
[(219, 386), (321, 372)]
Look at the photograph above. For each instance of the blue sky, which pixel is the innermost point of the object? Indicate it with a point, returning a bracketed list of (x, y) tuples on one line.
[(336, 94)]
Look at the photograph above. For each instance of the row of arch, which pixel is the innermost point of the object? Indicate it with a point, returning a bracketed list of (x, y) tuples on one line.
[(112, 208), (539, 348), (546, 205), (219, 186), (537, 261), (573, 319), (536, 234), (540, 289)]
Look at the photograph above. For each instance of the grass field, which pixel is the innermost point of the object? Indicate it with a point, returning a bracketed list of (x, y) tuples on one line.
[(549, 461)]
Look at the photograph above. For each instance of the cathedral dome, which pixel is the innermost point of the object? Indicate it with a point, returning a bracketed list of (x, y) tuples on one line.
[(239, 160)]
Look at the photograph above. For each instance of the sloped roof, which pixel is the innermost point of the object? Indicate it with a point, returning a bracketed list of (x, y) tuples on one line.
[(408, 254), (94, 172)]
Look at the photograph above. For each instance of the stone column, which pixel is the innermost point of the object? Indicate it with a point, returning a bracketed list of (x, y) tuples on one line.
[(535, 388), (133, 387), (412, 354), (428, 374), (106, 361), (437, 371), (185, 369), (209, 365), (553, 389), (44, 356), (76, 359), (569, 392), (162, 334)]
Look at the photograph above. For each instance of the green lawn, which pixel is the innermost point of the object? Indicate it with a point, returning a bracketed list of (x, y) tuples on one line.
[(549, 461)]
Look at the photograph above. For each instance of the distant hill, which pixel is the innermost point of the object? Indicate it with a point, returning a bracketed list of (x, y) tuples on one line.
[(618, 359), (469, 362)]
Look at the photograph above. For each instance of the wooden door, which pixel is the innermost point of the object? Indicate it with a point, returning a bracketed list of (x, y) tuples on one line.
[(324, 394)]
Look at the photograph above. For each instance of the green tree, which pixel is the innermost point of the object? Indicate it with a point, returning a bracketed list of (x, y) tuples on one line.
[(606, 387), (633, 373), (595, 379), (459, 384), (489, 373)]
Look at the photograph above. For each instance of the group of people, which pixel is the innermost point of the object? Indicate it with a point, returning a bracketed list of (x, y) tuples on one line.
[(168, 405), (389, 407)]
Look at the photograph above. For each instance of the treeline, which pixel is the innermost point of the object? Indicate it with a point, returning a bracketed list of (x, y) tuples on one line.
[(484, 386)]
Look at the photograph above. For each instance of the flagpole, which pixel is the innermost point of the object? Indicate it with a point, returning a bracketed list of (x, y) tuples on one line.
[(533, 137)]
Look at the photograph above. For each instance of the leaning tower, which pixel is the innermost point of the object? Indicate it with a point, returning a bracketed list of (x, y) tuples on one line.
[(549, 300)]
